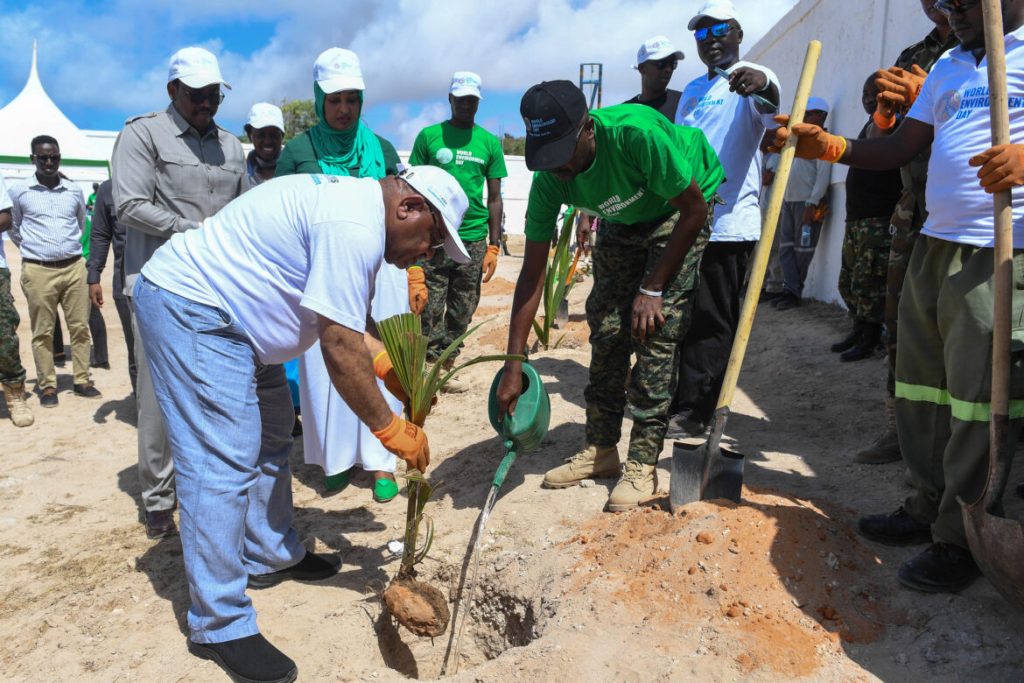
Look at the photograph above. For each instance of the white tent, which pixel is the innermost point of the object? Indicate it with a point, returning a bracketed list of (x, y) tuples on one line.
[(85, 156)]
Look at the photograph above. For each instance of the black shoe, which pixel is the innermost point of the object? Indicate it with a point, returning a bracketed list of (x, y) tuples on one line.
[(48, 399), (87, 390), (312, 567), (850, 340), (786, 302), (895, 528), (684, 425), (866, 344), (248, 660), (941, 568), (160, 524), (103, 366), (768, 297)]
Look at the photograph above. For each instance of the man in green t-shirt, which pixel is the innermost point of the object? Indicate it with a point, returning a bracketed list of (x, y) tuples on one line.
[(653, 184), (473, 156)]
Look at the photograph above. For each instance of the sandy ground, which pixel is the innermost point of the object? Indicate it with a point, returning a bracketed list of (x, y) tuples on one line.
[(779, 588)]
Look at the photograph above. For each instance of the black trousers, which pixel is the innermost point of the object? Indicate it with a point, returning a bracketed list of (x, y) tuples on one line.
[(98, 330), (124, 313), (704, 351)]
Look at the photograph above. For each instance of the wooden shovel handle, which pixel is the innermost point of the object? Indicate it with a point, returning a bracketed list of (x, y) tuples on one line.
[(771, 218)]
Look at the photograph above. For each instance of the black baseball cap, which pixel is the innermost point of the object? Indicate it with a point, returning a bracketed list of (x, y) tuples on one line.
[(553, 112)]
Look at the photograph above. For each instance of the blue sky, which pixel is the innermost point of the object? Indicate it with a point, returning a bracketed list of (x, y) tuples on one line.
[(102, 62)]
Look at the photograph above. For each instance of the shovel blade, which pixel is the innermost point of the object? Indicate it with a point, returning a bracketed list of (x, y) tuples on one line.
[(997, 544), (725, 480), (689, 463)]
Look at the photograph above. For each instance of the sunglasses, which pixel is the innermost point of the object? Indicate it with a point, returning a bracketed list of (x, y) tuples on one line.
[(199, 96), (950, 6), (45, 158), (667, 63), (718, 31)]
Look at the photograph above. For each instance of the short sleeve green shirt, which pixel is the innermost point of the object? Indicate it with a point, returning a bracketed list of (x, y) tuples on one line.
[(471, 155), (642, 162)]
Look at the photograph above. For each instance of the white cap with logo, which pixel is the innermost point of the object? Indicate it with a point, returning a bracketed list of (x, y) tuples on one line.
[(195, 67), (265, 115), (653, 49), (722, 10), (446, 195), (466, 84), (817, 104), (338, 69)]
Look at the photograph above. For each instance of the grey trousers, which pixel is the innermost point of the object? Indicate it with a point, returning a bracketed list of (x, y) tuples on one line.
[(795, 258), (156, 468)]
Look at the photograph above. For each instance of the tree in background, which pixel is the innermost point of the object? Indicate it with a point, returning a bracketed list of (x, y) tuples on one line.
[(512, 145), (299, 116)]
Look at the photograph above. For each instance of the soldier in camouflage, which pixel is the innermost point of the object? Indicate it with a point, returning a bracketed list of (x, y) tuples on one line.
[(12, 372), (651, 184), (907, 219)]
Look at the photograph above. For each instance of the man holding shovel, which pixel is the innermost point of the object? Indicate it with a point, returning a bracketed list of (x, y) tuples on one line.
[(653, 184), (218, 309), (943, 372)]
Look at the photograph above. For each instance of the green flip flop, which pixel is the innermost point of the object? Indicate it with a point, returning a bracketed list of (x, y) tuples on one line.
[(384, 490)]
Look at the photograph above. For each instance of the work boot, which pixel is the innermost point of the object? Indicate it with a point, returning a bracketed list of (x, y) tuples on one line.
[(638, 483), (851, 339), (941, 568), (896, 528), (685, 424), (593, 462), (886, 447), (866, 345), (14, 394)]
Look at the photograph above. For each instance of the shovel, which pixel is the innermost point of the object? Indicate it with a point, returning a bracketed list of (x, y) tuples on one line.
[(997, 543), (562, 315), (709, 471)]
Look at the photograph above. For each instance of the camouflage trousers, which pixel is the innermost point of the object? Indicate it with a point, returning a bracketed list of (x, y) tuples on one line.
[(453, 294), (623, 256), (905, 230), (11, 369), (862, 277)]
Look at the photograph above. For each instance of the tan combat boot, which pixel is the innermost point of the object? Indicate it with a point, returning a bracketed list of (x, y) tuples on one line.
[(593, 462), (887, 447), (638, 483), (14, 394)]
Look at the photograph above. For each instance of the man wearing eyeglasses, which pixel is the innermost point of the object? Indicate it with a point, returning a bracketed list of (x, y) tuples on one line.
[(731, 104), (943, 369), (171, 169), (48, 216), (656, 60)]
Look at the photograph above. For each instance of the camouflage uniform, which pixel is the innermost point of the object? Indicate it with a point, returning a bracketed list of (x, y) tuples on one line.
[(623, 256), (453, 295), (11, 369), (862, 277), (910, 213)]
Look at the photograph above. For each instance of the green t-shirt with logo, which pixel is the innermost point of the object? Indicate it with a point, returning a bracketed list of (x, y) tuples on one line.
[(642, 161), (472, 156)]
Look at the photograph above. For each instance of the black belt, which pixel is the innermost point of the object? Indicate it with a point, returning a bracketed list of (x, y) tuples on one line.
[(53, 264)]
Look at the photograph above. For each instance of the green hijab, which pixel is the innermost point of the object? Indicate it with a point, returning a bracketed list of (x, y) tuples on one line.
[(353, 152)]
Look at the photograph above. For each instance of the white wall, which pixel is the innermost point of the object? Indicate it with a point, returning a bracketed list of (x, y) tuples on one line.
[(858, 37)]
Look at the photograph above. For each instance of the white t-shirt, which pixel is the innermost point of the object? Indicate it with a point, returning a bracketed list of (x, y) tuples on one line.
[(280, 254), (734, 128), (954, 100), (5, 203)]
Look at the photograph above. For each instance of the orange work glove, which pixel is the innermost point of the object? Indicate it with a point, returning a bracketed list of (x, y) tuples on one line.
[(884, 116), (407, 441), (1002, 167), (490, 261), (812, 141), (417, 289), (383, 368), (900, 87)]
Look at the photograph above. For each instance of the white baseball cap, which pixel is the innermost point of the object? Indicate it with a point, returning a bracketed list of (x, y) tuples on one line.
[(715, 9), (658, 47), (338, 69), (817, 103), (466, 84), (265, 115), (446, 195), (196, 68)]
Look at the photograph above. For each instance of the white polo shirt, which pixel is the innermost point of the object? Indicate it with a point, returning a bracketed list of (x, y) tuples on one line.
[(734, 128), (5, 203), (280, 254), (954, 101)]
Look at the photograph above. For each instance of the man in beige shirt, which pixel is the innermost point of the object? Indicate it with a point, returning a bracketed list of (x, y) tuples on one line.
[(171, 170)]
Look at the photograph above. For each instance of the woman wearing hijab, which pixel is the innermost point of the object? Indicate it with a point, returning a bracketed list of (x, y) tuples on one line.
[(341, 144)]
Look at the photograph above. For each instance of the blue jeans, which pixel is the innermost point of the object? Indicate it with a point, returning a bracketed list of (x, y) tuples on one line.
[(229, 422)]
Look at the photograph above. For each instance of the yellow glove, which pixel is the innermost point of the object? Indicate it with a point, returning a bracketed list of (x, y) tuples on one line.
[(417, 289), (407, 441), (490, 261), (813, 142)]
